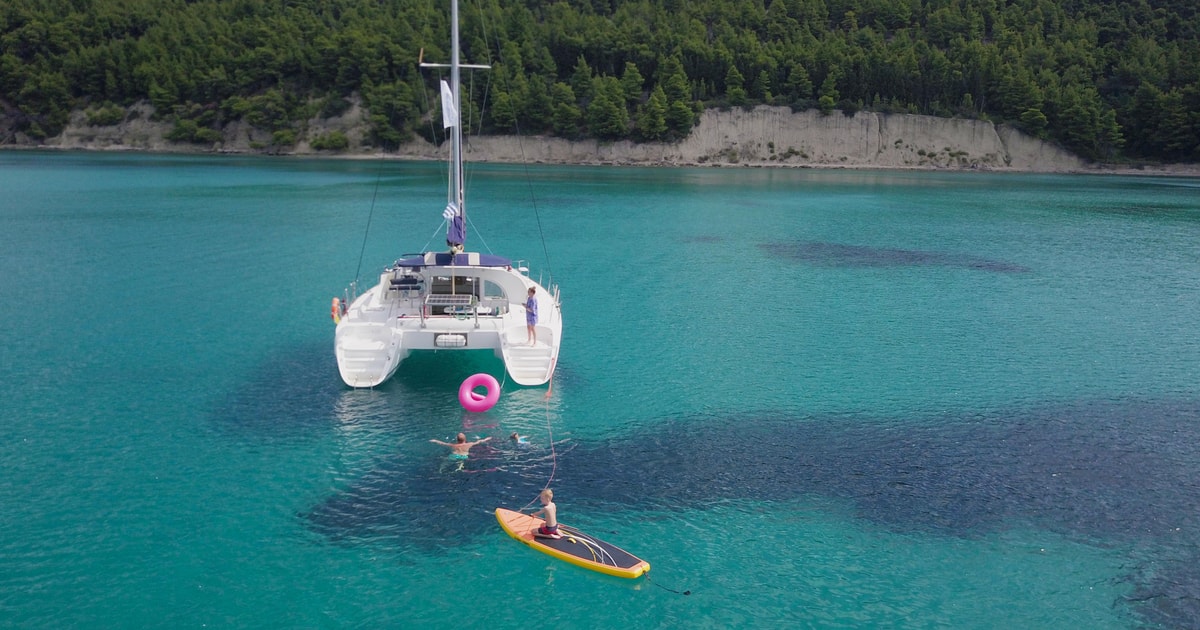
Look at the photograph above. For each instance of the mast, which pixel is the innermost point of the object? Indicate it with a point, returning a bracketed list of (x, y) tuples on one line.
[(456, 160), (455, 213)]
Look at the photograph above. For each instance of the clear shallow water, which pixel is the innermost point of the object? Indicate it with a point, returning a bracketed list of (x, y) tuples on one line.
[(816, 398)]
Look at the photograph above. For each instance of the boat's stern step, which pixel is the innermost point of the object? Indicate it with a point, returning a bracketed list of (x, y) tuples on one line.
[(361, 344), (368, 356), (529, 365)]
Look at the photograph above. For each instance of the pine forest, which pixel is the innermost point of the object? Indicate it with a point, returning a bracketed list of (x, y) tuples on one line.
[(1109, 80)]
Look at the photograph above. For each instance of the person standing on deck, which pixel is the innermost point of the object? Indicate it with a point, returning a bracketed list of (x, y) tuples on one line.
[(531, 317)]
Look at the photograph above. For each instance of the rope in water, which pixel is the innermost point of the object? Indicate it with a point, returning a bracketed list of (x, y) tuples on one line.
[(553, 453), (553, 469), (688, 592)]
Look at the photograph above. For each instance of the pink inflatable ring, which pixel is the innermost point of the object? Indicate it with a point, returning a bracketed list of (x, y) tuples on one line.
[(474, 402)]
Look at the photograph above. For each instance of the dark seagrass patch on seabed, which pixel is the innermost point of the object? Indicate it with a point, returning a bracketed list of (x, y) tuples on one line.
[(842, 255), (282, 396), (1119, 472)]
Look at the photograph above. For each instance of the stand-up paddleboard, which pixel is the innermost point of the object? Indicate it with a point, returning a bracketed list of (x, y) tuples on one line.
[(575, 546)]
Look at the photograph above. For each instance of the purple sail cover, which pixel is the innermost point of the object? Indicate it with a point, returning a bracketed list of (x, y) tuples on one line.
[(456, 234)]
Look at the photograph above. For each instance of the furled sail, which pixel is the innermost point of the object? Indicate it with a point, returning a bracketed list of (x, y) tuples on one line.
[(455, 234)]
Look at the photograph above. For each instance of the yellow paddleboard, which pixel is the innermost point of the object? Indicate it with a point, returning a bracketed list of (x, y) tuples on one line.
[(575, 546)]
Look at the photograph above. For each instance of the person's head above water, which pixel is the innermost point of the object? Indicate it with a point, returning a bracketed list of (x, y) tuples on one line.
[(462, 437)]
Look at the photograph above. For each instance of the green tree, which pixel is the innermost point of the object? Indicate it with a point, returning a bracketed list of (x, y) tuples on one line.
[(652, 118), (829, 94), (761, 88), (163, 96), (567, 115), (392, 113), (538, 111), (1034, 120), (1018, 93), (799, 85), (735, 89), (1176, 132), (680, 115), (631, 84), (46, 93), (504, 114), (675, 81), (606, 115), (332, 141), (581, 79)]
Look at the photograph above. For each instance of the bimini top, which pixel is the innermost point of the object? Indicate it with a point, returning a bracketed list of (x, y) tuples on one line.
[(446, 259)]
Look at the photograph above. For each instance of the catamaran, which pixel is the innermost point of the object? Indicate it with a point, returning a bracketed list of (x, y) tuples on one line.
[(453, 299)]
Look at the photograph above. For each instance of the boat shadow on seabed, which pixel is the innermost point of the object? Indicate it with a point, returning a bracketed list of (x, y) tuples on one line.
[(1093, 470)]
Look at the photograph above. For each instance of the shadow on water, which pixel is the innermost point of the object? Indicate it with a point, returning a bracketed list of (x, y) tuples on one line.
[(841, 255), (298, 389), (1098, 472), (297, 392)]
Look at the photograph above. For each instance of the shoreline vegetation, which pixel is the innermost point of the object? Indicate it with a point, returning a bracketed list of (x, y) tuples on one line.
[(763, 136), (1109, 82)]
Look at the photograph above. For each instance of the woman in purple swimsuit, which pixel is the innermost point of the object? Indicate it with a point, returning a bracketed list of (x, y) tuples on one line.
[(531, 316)]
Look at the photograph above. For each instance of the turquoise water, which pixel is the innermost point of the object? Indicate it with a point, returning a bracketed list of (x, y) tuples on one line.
[(810, 398)]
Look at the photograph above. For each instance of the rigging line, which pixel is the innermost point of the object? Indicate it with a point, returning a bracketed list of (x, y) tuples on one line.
[(479, 234), (553, 455), (433, 133), (433, 141), (370, 215), (429, 108), (477, 123), (436, 231), (469, 169), (446, 164), (487, 88), (477, 120), (468, 172), (533, 201), (520, 147)]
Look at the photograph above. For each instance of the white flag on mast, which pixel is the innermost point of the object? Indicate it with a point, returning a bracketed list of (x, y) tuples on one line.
[(449, 107)]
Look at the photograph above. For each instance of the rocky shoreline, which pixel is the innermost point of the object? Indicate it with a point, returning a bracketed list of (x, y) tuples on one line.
[(759, 137)]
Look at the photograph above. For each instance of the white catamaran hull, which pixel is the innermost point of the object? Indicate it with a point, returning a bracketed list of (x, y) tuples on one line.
[(418, 307), (448, 300)]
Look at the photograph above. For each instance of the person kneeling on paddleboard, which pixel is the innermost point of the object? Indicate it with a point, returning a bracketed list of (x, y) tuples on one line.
[(550, 528)]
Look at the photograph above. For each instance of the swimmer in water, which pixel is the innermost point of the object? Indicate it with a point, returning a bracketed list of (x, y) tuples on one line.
[(460, 449), (519, 439)]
